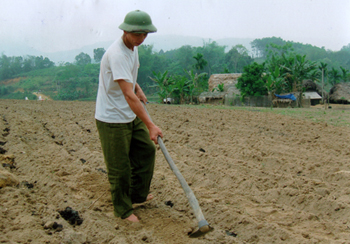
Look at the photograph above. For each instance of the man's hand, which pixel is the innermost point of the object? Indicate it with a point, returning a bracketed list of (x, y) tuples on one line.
[(154, 132)]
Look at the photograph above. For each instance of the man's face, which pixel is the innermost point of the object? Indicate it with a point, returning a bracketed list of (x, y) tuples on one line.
[(135, 39)]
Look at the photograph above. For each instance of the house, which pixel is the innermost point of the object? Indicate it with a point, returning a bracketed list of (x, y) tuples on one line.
[(218, 97), (340, 93), (314, 97), (229, 81)]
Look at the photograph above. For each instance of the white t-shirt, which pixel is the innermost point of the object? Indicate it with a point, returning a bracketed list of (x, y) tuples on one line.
[(118, 62)]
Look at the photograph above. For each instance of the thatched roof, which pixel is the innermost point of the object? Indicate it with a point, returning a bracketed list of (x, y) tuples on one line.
[(340, 93), (310, 86), (229, 81)]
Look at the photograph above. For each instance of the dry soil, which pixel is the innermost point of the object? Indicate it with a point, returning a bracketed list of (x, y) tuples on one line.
[(259, 177)]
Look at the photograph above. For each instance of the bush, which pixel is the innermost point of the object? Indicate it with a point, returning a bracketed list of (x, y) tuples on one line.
[(251, 82)]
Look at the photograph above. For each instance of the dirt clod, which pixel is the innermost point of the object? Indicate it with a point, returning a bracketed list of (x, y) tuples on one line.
[(71, 216)]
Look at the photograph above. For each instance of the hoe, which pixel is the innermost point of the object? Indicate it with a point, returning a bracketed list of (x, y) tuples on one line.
[(203, 226)]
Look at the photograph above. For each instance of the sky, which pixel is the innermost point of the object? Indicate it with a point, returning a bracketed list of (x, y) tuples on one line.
[(58, 25)]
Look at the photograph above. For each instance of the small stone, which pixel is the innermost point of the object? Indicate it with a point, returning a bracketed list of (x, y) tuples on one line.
[(116, 227), (188, 231), (49, 225), (58, 227), (169, 203), (8, 179)]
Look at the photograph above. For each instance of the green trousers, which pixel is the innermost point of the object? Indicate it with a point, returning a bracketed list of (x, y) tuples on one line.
[(129, 155)]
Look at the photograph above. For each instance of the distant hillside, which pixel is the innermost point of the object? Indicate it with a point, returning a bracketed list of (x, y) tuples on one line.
[(159, 42), (170, 42), (69, 55)]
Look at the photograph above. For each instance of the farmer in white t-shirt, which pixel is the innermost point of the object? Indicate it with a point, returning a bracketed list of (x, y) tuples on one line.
[(126, 132)]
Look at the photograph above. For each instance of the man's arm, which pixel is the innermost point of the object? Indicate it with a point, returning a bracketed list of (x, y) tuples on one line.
[(136, 106), (140, 94)]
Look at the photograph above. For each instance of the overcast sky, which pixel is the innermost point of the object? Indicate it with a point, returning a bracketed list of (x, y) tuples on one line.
[(56, 25)]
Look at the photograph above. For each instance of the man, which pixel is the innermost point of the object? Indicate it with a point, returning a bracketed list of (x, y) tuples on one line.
[(125, 129)]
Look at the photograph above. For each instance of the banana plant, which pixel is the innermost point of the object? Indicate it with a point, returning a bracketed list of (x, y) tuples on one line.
[(298, 70), (193, 82), (181, 88), (274, 81), (219, 88), (164, 84)]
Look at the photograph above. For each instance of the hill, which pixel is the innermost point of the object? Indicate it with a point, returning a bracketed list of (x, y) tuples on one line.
[(160, 42)]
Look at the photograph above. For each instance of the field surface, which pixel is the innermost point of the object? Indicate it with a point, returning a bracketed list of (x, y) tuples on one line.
[(260, 175)]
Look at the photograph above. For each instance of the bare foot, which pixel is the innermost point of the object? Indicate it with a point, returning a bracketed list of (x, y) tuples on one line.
[(149, 197), (133, 218)]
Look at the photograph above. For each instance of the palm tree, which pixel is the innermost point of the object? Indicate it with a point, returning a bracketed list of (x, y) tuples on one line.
[(323, 68), (334, 76), (201, 62), (345, 74)]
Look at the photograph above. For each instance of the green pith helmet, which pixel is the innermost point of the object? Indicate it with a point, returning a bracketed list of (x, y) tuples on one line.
[(138, 22)]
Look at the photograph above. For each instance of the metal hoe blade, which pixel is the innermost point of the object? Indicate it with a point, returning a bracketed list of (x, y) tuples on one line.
[(201, 231)]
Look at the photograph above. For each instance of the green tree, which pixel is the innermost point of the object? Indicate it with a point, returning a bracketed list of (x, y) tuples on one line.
[(324, 73), (346, 48), (298, 68), (16, 65), (274, 50), (291, 69), (215, 55), (146, 58), (98, 53), (183, 59), (201, 62), (5, 71), (91, 71), (47, 63), (276, 59), (42, 63), (193, 84), (82, 59), (251, 82), (237, 58), (28, 63), (345, 74), (334, 76), (259, 46)]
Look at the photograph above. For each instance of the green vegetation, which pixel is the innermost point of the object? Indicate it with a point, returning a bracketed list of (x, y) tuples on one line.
[(283, 71), (251, 82), (276, 66), (219, 88)]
